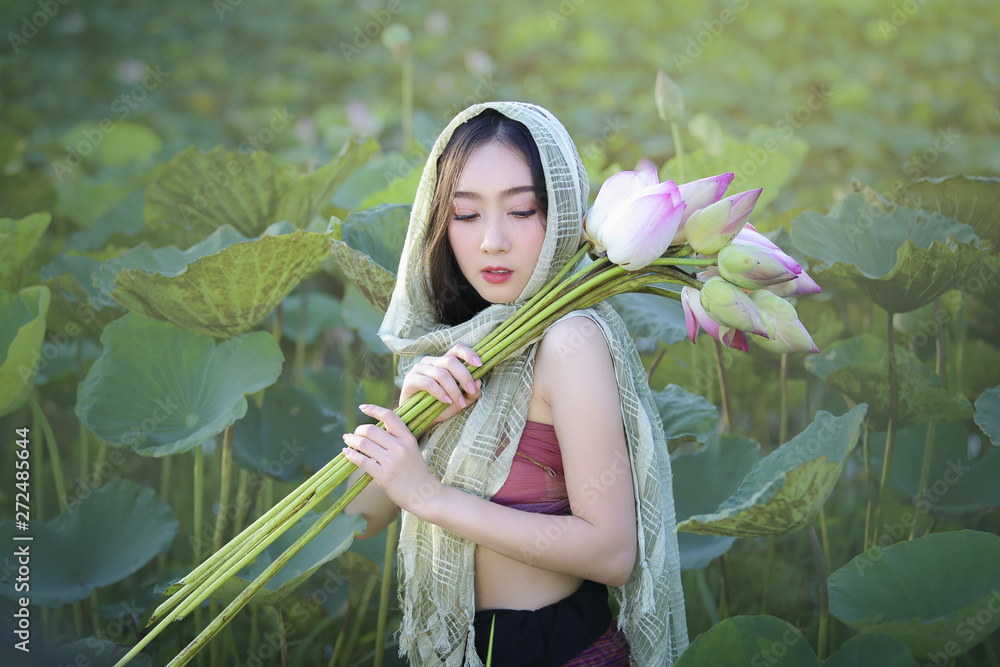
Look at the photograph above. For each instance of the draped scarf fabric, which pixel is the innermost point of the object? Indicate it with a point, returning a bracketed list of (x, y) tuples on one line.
[(437, 567)]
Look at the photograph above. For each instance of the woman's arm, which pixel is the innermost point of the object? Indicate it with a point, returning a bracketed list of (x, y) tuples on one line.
[(575, 375)]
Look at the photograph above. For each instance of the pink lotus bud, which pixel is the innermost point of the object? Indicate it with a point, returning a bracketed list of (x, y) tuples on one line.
[(728, 305), (695, 317), (753, 266), (699, 194), (714, 227), (613, 193), (785, 332)]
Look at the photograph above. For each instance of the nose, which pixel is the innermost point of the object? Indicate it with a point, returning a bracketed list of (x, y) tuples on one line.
[(495, 238)]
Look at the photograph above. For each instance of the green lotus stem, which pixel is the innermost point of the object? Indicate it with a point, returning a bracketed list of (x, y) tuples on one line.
[(50, 442), (244, 597), (659, 291), (824, 604), (767, 573), (869, 513), (783, 384), (359, 617), (383, 594), (300, 338), (723, 589), (890, 434), (165, 465), (220, 523), (199, 496), (675, 132), (720, 368), (925, 469), (281, 635)]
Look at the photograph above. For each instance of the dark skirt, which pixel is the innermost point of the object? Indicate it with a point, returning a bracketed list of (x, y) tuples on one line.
[(579, 627)]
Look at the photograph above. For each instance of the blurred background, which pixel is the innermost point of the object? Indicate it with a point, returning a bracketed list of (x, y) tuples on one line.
[(881, 92)]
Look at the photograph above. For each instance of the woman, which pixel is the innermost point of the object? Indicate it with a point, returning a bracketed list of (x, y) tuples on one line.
[(524, 543)]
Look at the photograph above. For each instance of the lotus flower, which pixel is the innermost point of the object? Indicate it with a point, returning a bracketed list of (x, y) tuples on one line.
[(699, 194), (728, 305), (712, 228), (751, 266), (785, 332), (634, 218), (695, 317)]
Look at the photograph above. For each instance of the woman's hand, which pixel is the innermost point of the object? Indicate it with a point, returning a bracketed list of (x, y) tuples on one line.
[(445, 378), (393, 459)]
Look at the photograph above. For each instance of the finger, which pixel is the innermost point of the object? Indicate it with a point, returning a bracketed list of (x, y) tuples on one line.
[(460, 372), (466, 354), (360, 443), (393, 424), (362, 462), (445, 379)]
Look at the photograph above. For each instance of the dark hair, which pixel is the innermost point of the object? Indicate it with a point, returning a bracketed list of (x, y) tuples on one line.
[(455, 300)]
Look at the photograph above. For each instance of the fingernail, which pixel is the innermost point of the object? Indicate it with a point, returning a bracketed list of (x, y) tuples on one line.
[(364, 406), (344, 436), (478, 361), (461, 401), (346, 451), (471, 387)]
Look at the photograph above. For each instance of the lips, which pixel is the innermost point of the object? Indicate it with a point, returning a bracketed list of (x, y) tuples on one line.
[(496, 274)]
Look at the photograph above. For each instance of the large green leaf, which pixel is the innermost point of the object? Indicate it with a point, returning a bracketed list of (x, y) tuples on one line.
[(959, 485), (161, 389), (368, 247), (223, 286), (332, 541), (22, 331), (859, 368), (203, 191), (322, 314), (111, 533), (24, 193), (787, 488), (18, 239), (76, 300), (361, 316), (651, 319), (766, 641), (702, 481), (937, 594), (901, 259), (974, 200), (685, 413), (987, 413), (291, 430)]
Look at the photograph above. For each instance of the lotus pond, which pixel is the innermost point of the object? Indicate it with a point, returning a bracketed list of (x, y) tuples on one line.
[(202, 206)]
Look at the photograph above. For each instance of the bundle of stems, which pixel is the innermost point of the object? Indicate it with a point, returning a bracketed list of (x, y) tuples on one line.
[(586, 287)]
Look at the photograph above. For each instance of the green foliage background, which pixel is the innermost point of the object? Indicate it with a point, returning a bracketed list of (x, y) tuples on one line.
[(811, 100)]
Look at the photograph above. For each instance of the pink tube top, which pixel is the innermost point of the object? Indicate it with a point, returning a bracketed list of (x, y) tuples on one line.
[(536, 482)]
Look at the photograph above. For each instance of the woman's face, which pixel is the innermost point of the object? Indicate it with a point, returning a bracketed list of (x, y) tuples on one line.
[(496, 230)]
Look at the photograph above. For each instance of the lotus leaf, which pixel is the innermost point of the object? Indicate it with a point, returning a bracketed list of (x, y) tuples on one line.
[(859, 368), (901, 259), (22, 331), (368, 247), (161, 389), (974, 200), (959, 486), (939, 594), (766, 641), (322, 314), (651, 319), (111, 533), (205, 191), (24, 193), (76, 300), (223, 286), (18, 239), (702, 480), (289, 430), (788, 487), (987, 414), (684, 413)]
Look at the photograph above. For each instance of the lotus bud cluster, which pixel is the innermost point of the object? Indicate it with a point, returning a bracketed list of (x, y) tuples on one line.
[(636, 219)]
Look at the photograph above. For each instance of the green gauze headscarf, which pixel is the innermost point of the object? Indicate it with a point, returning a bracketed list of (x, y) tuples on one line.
[(436, 567)]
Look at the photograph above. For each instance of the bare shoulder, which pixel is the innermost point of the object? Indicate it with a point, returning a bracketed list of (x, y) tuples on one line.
[(573, 351)]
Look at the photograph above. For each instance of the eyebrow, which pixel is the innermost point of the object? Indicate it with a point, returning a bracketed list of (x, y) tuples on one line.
[(516, 190)]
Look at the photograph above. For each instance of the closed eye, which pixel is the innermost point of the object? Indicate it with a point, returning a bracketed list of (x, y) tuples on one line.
[(524, 214), (470, 216)]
